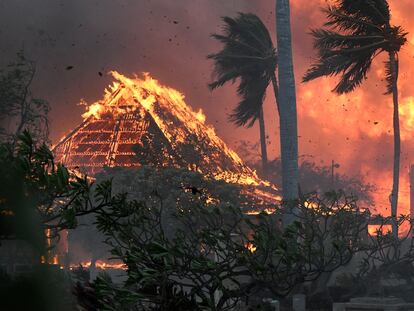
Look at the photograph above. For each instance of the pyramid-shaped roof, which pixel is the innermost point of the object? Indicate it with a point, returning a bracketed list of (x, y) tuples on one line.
[(140, 121)]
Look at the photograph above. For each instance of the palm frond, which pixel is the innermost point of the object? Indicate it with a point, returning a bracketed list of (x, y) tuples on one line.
[(325, 40), (248, 27), (252, 90), (355, 74), (375, 11), (353, 69), (351, 23), (248, 55), (229, 40), (357, 31)]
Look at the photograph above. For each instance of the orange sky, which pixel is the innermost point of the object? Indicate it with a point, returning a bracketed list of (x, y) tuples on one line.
[(356, 129), (171, 39)]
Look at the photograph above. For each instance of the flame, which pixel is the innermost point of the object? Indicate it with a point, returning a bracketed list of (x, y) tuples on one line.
[(200, 116), (50, 259), (268, 211), (148, 91), (176, 120), (52, 255), (101, 264), (251, 247), (133, 106)]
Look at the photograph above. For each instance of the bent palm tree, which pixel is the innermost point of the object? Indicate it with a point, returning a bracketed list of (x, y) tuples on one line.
[(357, 31), (248, 55)]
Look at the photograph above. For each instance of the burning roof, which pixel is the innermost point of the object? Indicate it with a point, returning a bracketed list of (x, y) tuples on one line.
[(140, 121)]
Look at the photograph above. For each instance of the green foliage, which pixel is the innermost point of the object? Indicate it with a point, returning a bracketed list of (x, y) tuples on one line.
[(37, 194), (182, 249), (328, 231), (171, 250)]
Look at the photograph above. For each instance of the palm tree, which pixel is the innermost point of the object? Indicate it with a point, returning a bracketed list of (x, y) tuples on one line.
[(287, 103), (355, 33), (248, 55)]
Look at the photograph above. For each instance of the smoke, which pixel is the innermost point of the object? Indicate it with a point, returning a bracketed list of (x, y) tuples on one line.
[(171, 39)]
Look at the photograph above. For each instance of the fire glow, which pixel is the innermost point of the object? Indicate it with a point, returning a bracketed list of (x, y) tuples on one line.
[(100, 264), (133, 107), (355, 129)]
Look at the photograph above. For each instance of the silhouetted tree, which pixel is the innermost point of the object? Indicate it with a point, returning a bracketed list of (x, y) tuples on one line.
[(248, 55), (19, 110), (356, 33)]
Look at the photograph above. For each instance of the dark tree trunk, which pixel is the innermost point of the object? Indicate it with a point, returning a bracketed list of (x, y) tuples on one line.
[(287, 103), (263, 145), (397, 144)]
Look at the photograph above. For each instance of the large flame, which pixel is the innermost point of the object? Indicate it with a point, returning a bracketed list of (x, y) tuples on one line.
[(134, 107), (159, 100)]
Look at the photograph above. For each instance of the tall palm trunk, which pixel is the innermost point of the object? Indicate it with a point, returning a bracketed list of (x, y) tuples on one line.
[(263, 142), (287, 103), (397, 143)]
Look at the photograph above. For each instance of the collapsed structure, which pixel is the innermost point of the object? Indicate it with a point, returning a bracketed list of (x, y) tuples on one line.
[(141, 122)]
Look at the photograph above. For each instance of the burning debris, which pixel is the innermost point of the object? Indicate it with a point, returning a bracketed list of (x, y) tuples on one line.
[(100, 264), (141, 122)]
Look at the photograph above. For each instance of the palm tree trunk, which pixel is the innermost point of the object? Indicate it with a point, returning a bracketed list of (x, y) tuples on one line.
[(276, 92), (263, 146), (397, 144), (287, 103)]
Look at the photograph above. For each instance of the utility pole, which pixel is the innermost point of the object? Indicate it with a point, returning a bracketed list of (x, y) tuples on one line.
[(333, 167)]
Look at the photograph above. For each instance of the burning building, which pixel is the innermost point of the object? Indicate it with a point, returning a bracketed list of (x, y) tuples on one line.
[(141, 122)]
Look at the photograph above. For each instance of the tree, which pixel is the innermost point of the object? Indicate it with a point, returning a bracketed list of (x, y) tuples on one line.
[(187, 250), (37, 195), (148, 183), (327, 232), (248, 55), (312, 177), (19, 110), (356, 32), (287, 104), (386, 259), (38, 199), (182, 225)]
